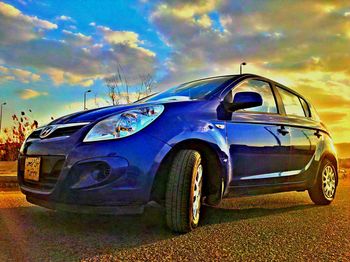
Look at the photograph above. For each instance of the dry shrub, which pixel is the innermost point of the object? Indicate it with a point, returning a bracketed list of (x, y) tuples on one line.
[(14, 136)]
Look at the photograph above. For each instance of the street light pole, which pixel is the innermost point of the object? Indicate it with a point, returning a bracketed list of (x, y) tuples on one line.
[(88, 91), (241, 66), (2, 104)]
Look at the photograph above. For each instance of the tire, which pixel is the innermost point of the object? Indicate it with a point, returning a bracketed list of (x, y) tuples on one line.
[(184, 191), (323, 191)]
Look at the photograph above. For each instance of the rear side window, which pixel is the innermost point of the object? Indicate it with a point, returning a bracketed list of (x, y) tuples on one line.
[(291, 102), (305, 107), (261, 87)]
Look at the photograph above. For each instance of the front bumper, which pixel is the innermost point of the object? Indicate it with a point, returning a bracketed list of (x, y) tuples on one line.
[(113, 176), (115, 210)]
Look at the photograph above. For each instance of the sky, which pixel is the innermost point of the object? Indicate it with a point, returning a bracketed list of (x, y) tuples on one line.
[(53, 51)]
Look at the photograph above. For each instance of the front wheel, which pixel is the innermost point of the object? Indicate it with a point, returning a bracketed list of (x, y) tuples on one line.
[(184, 191), (323, 191)]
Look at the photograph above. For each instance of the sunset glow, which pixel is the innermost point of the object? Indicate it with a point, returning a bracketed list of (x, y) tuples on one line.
[(53, 51)]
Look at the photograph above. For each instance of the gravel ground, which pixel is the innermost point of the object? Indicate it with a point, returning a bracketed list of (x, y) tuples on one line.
[(285, 226)]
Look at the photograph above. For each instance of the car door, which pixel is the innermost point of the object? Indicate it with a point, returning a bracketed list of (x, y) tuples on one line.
[(303, 136), (259, 144)]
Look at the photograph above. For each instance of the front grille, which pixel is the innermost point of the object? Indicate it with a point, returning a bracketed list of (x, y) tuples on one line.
[(67, 131), (63, 130), (35, 134), (50, 170)]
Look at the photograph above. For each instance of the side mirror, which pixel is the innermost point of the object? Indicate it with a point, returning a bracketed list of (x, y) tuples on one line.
[(243, 100)]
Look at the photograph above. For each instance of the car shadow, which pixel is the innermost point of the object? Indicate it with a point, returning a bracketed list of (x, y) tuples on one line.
[(217, 215), (31, 233), (73, 236)]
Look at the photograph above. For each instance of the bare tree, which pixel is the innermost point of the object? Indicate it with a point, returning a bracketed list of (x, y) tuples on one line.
[(115, 84), (96, 103), (112, 84), (119, 88), (124, 82), (146, 85)]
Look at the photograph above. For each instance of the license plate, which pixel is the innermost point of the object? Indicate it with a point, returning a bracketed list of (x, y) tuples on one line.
[(32, 168)]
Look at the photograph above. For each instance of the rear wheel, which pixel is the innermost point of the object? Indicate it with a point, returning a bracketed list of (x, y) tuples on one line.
[(184, 191), (323, 191)]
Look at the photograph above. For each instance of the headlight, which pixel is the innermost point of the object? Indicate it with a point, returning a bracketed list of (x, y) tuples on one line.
[(124, 124)]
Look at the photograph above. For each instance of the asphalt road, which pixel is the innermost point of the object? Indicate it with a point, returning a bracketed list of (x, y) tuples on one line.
[(285, 226)]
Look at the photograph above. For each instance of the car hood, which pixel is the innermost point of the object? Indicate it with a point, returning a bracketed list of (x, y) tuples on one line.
[(100, 113)]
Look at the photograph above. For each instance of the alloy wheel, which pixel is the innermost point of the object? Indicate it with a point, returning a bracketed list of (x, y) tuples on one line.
[(328, 182), (197, 194)]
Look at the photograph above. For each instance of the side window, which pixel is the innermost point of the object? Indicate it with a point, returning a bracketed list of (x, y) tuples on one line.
[(291, 102), (305, 107), (261, 87)]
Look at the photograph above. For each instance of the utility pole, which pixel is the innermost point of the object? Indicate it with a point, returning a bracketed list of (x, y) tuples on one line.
[(88, 91), (241, 67), (2, 104)]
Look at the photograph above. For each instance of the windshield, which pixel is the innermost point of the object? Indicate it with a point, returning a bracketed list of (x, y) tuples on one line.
[(189, 91)]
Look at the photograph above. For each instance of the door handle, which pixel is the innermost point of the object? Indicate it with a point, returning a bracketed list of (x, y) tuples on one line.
[(283, 131), (318, 134)]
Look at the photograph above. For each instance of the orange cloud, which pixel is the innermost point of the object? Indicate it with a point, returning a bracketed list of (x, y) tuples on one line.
[(17, 74), (30, 93), (128, 38)]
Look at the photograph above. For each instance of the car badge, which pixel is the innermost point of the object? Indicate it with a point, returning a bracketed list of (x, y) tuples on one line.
[(47, 131)]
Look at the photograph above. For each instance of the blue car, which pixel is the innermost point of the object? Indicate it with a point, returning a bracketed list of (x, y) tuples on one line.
[(190, 145)]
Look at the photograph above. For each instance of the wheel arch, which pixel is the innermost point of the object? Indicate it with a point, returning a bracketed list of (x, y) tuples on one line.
[(214, 164), (331, 157)]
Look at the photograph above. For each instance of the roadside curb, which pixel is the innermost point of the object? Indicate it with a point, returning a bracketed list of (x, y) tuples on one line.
[(8, 182)]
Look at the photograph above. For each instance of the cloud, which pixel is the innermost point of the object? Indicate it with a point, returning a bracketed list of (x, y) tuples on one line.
[(288, 42), (75, 62), (120, 37), (25, 76), (325, 91), (6, 78), (185, 9), (22, 2), (332, 117), (4, 70), (303, 46), (17, 74), (76, 38), (59, 77), (30, 94), (9, 10), (127, 38), (65, 18), (204, 21), (249, 32), (75, 58), (16, 27)]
